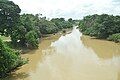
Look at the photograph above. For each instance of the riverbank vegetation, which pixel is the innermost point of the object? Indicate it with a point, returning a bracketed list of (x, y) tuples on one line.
[(114, 37), (101, 26), (9, 59), (24, 30)]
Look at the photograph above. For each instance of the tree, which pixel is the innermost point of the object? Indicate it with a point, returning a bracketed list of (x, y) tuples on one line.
[(32, 39), (70, 20), (47, 27), (9, 17), (9, 59), (100, 26), (114, 37), (28, 23), (61, 23)]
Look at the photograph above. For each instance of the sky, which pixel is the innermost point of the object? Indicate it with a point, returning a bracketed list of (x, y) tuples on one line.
[(75, 9)]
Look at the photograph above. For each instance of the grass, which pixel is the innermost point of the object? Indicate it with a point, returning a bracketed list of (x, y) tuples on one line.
[(4, 38)]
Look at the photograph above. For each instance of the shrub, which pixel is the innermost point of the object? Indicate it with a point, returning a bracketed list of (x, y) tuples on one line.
[(9, 59), (32, 40), (114, 37)]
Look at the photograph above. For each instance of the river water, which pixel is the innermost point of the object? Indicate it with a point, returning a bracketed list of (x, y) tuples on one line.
[(72, 57)]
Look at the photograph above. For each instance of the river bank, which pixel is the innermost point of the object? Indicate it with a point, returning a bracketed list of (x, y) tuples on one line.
[(37, 56), (34, 56)]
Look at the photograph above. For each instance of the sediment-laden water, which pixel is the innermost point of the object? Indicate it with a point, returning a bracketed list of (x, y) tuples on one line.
[(69, 59), (72, 57)]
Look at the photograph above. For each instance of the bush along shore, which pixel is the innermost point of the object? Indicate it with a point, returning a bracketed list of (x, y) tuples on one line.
[(25, 32), (101, 26)]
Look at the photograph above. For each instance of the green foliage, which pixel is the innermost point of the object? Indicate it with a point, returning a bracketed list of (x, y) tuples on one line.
[(61, 23), (66, 24), (9, 17), (25, 29), (5, 38), (114, 37), (100, 26), (31, 28), (9, 59), (53, 26), (32, 39), (28, 23), (70, 20), (47, 27)]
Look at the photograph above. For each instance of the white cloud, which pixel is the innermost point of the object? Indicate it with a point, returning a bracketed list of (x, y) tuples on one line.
[(69, 8)]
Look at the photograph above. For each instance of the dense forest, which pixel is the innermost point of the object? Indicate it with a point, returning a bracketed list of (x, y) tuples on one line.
[(101, 26), (24, 30)]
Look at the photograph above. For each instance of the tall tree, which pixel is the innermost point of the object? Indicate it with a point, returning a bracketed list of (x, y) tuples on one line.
[(9, 17)]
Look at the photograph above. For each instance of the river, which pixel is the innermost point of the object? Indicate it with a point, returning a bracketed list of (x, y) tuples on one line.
[(71, 57)]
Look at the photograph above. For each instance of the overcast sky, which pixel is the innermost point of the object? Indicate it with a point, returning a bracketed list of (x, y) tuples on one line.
[(69, 8)]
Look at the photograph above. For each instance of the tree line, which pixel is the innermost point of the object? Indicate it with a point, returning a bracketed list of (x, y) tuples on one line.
[(26, 30), (102, 26)]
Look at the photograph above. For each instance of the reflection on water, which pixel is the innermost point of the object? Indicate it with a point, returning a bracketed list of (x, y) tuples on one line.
[(69, 59)]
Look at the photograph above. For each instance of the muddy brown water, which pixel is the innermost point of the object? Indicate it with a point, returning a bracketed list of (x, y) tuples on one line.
[(71, 57), (103, 48)]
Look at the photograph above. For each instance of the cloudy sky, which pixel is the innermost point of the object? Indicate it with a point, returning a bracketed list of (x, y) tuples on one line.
[(69, 8)]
